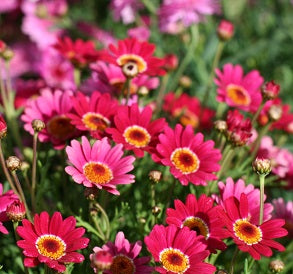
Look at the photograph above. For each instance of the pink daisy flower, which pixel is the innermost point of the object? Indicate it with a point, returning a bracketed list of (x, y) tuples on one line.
[(201, 216), (93, 114), (250, 237), (6, 199), (189, 157), (177, 250), (125, 256), (52, 108), (99, 165), (134, 129), (52, 241), (238, 90), (235, 189)]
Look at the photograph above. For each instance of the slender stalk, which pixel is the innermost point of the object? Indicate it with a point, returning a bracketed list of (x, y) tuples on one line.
[(226, 159), (255, 116), (161, 94), (3, 91), (34, 171), (187, 58), (128, 87), (153, 202), (76, 75), (231, 271), (150, 6), (262, 193), (106, 220)]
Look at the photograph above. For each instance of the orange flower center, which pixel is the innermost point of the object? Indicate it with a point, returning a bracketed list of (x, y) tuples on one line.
[(51, 246), (95, 121), (185, 160), (60, 127), (137, 136), (238, 95), (132, 58), (174, 260), (97, 173), (197, 224), (122, 265), (247, 232)]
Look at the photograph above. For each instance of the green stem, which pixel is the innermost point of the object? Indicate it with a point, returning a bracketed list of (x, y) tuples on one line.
[(153, 203), (128, 86), (262, 193), (34, 171), (88, 227), (3, 91), (255, 116), (231, 271), (106, 220), (187, 58), (76, 75), (228, 153), (161, 94), (150, 6)]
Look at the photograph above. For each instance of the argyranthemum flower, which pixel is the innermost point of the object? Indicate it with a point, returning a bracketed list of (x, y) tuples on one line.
[(250, 237), (99, 165), (135, 57), (238, 90), (178, 250), (134, 129), (52, 241), (52, 108), (94, 113), (125, 256), (189, 157), (201, 216)]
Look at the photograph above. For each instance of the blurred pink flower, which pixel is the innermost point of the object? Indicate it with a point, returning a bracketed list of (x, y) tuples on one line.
[(8, 5), (141, 33)]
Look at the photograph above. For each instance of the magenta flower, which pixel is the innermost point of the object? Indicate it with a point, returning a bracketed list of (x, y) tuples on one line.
[(125, 256), (99, 165), (284, 210)]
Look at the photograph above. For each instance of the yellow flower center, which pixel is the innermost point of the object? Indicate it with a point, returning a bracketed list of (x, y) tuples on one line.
[(185, 160), (174, 260), (197, 224), (247, 232), (122, 265), (51, 246), (60, 127), (97, 173), (95, 121), (132, 58), (137, 136), (238, 95)]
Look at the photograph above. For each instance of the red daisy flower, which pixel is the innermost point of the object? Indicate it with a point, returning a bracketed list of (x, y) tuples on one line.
[(200, 216), (250, 237), (189, 157), (93, 114), (178, 250), (135, 130), (80, 53), (51, 241), (135, 57)]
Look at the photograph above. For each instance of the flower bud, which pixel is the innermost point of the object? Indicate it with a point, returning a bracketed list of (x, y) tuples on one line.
[(7, 54), (130, 69), (102, 260), (221, 271), (171, 62), (16, 211), (143, 91), (156, 210), (275, 112), (220, 125), (91, 193), (38, 125), (276, 266), (262, 166), (225, 30), (185, 81), (13, 163), (155, 176), (3, 127), (270, 90)]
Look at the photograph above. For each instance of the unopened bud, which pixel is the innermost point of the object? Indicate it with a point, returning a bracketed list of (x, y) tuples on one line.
[(276, 266), (38, 125), (225, 30), (130, 69), (102, 260), (220, 125), (185, 81), (275, 112), (262, 166), (16, 211), (13, 163), (270, 90), (3, 127), (143, 91), (155, 176), (171, 62), (142, 220), (91, 193), (156, 210), (7, 54)]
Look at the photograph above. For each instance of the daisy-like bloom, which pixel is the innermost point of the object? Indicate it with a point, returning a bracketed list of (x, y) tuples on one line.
[(125, 257), (238, 90), (284, 211), (250, 237), (134, 129), (99, 165), (134, 57), (201, 216), (235, 189), (52, 241), (187, 110), (177, 250), (80, 53), (6, 199), (93, 114), (189, 157), (176, 15), (51, 108)]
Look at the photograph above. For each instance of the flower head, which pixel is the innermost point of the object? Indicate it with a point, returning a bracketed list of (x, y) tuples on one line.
[(16, 211), (178, 250), (189, 157), (250, 237), (52, 241), (225, 30), (125, 256), (238, 90), (99, 165), (201, 216), (270, 90)]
